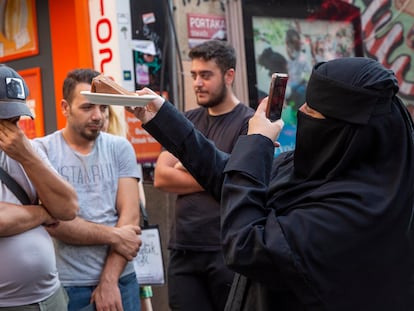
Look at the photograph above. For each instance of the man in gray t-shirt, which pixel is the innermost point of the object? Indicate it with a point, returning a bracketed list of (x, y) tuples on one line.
[(28, 273), (94, 250)]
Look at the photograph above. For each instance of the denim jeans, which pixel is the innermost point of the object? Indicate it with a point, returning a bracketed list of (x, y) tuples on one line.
[(80, 296)]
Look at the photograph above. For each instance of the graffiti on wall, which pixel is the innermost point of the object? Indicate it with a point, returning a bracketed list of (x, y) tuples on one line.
[(388, 32)]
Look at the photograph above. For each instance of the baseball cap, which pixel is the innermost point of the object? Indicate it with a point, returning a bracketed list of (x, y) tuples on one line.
[(13, 94)]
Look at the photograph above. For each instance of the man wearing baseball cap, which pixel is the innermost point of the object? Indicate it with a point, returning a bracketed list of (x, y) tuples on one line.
[(28, 274)]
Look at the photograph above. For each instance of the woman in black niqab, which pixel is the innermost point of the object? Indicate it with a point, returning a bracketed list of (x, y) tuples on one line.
[(335, 230), (324, 227)]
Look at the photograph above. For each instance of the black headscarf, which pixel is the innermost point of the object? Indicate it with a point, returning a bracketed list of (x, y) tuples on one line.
[(360, 87), (348, 92), (347, 189)]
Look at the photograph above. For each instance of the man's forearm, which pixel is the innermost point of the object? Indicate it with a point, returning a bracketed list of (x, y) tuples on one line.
[(15, 219), (107, 291), (82, 232), (57, 195), (115, 263), (114, 266), (176, 181)]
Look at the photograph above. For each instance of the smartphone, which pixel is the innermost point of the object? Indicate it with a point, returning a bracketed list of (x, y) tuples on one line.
[(276, 96)]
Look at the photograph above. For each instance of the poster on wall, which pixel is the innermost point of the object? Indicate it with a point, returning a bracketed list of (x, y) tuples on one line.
[(33, 127), (292, 41), (18, 29), (148, 40)]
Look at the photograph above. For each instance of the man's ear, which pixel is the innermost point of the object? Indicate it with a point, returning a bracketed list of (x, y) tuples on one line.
[(229, 76), (64, 105)]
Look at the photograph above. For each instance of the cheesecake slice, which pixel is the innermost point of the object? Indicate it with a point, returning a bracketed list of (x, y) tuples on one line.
[(104, 84)]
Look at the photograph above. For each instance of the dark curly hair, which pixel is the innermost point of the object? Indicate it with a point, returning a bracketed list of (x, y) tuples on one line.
[(220, 51)]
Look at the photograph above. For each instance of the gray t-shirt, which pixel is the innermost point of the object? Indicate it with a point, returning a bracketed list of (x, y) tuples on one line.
[(95, 177), (28, 271)]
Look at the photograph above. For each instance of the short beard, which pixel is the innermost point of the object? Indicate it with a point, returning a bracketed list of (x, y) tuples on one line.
[(216, 100), (90, 137)]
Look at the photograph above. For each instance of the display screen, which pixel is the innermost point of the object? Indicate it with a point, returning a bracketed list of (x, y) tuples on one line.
[(293, 40), (294, 46)]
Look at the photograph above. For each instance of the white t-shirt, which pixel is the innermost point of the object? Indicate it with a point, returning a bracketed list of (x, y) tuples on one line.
[(28, 271)]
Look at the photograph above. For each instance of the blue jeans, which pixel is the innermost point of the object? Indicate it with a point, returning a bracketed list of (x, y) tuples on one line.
[(80, 296)]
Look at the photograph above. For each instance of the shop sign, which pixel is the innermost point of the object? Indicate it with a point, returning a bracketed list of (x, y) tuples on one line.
[(202, 27)]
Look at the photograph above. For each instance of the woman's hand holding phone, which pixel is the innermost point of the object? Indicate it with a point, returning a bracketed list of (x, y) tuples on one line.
[(260, 124), (276, 96)]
